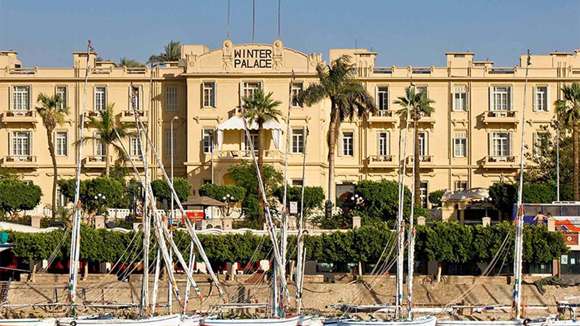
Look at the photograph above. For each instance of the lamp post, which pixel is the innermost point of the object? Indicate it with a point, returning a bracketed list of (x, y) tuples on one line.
[(228, 199)]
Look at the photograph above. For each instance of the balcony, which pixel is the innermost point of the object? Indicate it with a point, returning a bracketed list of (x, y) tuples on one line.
[(385, 116), (422, 159), (128, 116), (18, 117), (95, 162), (496, 117), (510, 162), (20, 161), (236, 155), (381, 161)]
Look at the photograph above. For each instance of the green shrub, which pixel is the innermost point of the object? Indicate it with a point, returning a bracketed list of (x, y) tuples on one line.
[(435, 197), (112, 189), (218, 192), (381, 199), (313, 196), (162, 192), (17, 195)]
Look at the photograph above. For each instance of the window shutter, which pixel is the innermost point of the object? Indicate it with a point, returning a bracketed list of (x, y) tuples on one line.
[(491, 104), (489, 144), (547, 98), (10, 99), (535, 99), (10, 149), (241, 93), (511, 143), (510, 99), (215, 97), (377, 96)]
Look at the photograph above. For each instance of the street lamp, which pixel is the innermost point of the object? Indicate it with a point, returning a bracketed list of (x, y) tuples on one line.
[(228, 199)]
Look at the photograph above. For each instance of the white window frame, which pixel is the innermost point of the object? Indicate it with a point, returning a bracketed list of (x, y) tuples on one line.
[(98, 148), (460, 144), (135, 147), (500, 100), (459, 98), (137, 102), (60, 146), (537, 141), (21, 144), (100, 105), (298, 135), (171, 98), (255, 137), (383, 143), (424, 193), (545, 107), (347, 146), (246, 90), (382, 98), (296, 88), (207, 140), (208, 94), (500, 144), (21, 98), (62, 90)]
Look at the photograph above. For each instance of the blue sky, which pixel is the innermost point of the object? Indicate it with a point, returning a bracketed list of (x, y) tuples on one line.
[(403, 32)]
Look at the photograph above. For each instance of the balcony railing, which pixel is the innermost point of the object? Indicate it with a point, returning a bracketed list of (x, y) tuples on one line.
[(381, 161), (19, 161), (95, 161), (246, 154), (18, 116), (128, 116), (422, 159), (492, 161), (500, 117), (383, 116)]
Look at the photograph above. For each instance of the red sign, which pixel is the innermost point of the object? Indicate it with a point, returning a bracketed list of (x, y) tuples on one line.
[(571, 238), (195, 216)]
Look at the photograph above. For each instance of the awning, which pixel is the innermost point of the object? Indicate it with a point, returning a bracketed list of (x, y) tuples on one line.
[(203, 201), (237, 123)]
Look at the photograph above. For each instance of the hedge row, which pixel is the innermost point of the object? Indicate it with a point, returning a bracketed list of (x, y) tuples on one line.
[(445, 242)]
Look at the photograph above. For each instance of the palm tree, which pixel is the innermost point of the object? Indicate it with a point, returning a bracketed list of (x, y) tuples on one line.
[(171, 52), (130, 63), (53, 112), (348, 98), (568, 110), (107, 128), (418, 105), (260, 108)]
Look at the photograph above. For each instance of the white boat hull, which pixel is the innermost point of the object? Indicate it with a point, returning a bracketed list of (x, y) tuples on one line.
[(292, 321), (423, 321), (479, 322), (552, 322), (171, 320), (27, 322)]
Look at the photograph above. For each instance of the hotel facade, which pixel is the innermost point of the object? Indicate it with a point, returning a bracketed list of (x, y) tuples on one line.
[(472, 138)]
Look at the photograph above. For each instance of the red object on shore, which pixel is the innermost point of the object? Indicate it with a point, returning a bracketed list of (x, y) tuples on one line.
[(195, 216)]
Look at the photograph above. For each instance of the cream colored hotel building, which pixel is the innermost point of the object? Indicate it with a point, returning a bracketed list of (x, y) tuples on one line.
[(470, 140)]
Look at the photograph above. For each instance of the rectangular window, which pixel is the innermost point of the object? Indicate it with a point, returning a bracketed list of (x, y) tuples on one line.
[(383, 143), (382, 99), (208, 91), (135, 147), (460, 98), (347, 143), (171, 99), (423, 144), (460, 185), (100, 99), (295, 90), (501, 98), (460, 144), (541, 102), (255, 141), (297, 182), (249, 88), (297, 141), (21, 98), (500, 144), (21, 144), (208, 140), (61, 200), (424, 193), (135, 97), (61, 143), (62, 93), (99, 148)]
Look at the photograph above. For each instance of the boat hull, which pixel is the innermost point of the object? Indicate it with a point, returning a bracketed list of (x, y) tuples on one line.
[(479, 322), (292, 321), (423, 321), (172, 320), (27, 322)]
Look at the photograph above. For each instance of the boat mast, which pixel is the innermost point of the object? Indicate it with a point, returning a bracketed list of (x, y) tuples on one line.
[(411, 227), (188, 286), (300, 237), (400, 229), (519, 220), (76, 227)]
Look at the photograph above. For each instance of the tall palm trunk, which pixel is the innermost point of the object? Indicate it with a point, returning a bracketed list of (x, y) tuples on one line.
[(49, 132), (261, 203), (107, 165), (332, 139), (417, 164), (576, 150)]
